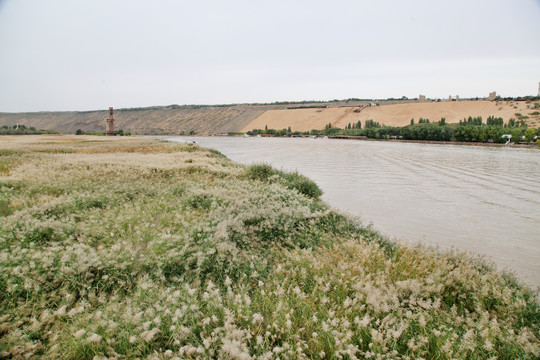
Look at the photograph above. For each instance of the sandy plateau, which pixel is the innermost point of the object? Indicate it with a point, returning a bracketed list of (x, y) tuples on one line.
[(391, 115)]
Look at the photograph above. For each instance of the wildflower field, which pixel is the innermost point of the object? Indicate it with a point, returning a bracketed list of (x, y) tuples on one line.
[(136, 248)]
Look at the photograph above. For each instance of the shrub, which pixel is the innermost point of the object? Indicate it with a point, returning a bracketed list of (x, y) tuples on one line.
[(260, 172), (302, 184), (292, 180)]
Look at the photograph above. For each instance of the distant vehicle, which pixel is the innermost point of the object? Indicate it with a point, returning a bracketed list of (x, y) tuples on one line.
[(508, 137)]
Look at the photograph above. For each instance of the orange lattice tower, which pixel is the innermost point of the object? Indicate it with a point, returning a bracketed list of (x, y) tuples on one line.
[(109, 129)]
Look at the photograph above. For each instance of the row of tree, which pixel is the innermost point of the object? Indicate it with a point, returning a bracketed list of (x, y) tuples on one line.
[(466, 131), (119, 132), (23, 130)]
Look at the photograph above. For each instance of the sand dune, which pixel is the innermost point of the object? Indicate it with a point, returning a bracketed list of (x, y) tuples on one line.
[(390, 115)]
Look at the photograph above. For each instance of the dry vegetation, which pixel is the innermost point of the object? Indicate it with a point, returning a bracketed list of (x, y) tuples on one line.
[(135, 248)]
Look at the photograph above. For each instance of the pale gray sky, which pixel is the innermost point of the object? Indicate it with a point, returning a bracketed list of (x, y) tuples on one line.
[(84, 55)]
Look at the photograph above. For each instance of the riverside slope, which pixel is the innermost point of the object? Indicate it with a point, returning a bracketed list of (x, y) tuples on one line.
[(205, 120)]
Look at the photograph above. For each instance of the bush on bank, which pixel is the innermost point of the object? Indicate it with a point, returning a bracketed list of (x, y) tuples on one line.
[(291, 180), (138, 249)]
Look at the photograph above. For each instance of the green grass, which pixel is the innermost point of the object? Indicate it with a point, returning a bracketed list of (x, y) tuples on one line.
[(291, 180), (141, 249)]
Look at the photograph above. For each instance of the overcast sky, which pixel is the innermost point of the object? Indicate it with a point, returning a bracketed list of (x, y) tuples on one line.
[(84, 55)]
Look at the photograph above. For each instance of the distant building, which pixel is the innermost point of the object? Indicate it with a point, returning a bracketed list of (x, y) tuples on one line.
[(421, 98), (109, 128), (492, 96)]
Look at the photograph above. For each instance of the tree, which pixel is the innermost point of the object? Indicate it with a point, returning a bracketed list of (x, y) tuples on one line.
[(79, 132), (517, 133), (529, 134)]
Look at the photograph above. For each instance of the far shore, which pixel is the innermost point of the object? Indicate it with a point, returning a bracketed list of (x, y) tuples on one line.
[(513, 145)]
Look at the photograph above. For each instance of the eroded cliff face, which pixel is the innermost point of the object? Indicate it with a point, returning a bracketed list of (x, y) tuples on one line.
[(153, 120)]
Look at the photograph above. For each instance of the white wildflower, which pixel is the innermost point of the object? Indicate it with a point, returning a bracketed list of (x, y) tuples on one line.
[(61, 311), (257, 318), (288, 323), (94, 338), (149, 335), (80, 333), (137, 317)]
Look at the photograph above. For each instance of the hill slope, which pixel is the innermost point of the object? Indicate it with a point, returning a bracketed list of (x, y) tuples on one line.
[(303, 116), (390, 115), (153, 120)]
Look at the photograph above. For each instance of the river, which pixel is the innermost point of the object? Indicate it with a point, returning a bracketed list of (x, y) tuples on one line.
[(484, 200)]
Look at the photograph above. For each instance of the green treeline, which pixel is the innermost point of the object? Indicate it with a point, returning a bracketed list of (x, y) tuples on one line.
[(23, 130), (472, 129), (102, 133)]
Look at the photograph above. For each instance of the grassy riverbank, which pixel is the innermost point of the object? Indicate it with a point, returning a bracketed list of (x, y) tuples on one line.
[(135, 248)]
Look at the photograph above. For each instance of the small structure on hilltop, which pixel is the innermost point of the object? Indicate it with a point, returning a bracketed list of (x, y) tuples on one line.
[(492, 96), (450, 98), (109, 129), (421, 98)]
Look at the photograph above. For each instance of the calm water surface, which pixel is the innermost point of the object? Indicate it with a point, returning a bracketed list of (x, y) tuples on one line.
[(485, 200)]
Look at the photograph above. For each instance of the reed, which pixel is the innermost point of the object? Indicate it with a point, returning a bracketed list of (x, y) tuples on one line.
[(143, 249)]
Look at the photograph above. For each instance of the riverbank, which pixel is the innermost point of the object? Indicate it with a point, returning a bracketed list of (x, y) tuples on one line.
[(396, 115), (469, 143), (139, 248)]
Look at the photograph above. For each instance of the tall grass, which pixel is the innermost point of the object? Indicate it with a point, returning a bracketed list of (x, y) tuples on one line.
[(291, 180), (126, 249)]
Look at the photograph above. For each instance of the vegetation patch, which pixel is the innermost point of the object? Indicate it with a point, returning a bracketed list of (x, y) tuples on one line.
[(291, 180), (471, 129), (125, 250)]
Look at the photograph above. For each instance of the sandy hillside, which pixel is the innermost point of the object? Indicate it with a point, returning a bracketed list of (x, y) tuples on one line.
[(390, 115)]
